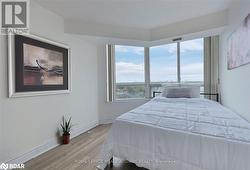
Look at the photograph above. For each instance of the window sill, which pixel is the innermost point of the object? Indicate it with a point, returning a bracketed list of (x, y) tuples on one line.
[(129, 100)]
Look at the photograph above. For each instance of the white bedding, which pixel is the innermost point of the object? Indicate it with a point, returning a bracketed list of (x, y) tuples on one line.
[(180, 134)]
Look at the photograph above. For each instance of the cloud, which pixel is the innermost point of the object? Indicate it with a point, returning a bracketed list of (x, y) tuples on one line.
[(129, 72), (191, 45), (192, 72), (131, 49), (120, 48), (192, 68), (171, 48)]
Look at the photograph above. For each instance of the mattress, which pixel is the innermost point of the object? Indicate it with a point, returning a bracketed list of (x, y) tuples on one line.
[(180, 134)]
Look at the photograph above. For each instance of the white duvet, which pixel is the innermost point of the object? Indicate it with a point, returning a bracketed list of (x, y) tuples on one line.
[(180, 134)]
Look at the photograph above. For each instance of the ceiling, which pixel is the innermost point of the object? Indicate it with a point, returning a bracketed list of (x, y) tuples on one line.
[(144, 14)]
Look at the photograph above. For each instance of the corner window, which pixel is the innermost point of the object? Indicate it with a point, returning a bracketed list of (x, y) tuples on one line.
[(129, 72), (177, 63), (191, 59), (163, 66), (192, 62), (136, 72)]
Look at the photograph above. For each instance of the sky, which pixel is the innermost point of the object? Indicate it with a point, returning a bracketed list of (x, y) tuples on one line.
[(163, 62)]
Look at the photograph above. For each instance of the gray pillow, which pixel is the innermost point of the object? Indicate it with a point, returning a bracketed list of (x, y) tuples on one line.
[(182, 92)]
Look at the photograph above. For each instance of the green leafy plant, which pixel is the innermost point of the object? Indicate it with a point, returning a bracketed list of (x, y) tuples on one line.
[(66, 126)]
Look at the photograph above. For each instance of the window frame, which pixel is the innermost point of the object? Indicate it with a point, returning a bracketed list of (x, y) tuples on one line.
[(146, 82), (111, 71), (180, 54)]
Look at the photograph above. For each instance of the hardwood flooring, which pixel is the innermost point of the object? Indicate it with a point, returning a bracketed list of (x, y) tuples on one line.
[(80, 154)]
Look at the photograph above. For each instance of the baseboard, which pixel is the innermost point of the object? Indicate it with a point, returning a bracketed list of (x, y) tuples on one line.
[(109, 119), (106, 121), (48, 145)]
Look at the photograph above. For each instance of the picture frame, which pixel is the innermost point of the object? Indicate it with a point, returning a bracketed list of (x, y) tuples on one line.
[(238, 50), (37, 66)]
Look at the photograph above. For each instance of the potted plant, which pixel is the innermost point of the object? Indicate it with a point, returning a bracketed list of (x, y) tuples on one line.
[(66, 127)]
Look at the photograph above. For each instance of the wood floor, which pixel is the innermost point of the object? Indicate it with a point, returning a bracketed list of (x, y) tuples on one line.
[(80, 154)]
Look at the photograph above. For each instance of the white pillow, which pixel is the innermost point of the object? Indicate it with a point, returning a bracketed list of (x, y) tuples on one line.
[(182, 92)]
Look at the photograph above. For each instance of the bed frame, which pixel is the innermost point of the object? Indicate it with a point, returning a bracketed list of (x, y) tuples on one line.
[(203, 94), (111, 163)]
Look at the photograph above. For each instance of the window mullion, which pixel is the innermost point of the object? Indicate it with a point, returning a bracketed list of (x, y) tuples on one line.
[(147, 72), (110, 73), (113, 72), (178, 63)]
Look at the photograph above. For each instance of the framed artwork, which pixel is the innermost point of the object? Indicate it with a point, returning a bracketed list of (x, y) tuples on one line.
[(37, 66), (238, 53)]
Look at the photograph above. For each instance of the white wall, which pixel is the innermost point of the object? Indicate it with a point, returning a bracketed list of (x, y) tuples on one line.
[(235, 84), (31, 122), (108, 111), (1, 108), (1, 128)]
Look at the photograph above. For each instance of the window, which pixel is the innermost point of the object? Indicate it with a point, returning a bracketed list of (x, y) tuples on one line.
[(135, 72), (163, 65), (191, 60), (129, 72)]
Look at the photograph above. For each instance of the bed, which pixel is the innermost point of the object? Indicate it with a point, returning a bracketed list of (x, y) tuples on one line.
[(180, 134)]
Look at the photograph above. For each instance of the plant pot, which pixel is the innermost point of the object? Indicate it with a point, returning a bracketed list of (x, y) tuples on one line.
[(66, 138)]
